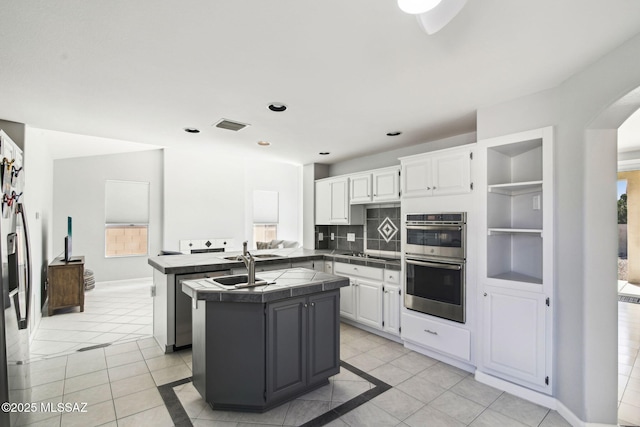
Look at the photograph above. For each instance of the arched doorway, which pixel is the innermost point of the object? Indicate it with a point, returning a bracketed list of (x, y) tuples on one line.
[(603, 136)]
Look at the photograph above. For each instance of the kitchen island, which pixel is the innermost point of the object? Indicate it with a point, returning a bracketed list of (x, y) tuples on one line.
[(172, 308), (255, 348)]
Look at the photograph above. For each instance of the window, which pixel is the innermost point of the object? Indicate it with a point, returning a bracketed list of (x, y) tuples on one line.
[(126, 227), (265, 232)]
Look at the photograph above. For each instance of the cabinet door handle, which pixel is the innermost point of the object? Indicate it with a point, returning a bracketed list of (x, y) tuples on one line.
[(485, 294), (306, 305), (313, 304), (434, 187), (428, 188), (431, 332)]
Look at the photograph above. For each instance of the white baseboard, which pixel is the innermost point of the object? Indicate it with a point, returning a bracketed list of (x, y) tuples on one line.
[(525, 393), (574, 420), (537, 398)]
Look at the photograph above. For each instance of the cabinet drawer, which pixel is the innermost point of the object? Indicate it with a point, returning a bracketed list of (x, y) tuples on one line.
[(341, 268), (392, 276), (438, 336)]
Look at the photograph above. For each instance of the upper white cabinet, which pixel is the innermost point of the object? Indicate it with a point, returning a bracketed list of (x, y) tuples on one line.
[(515, 199), (361, 188), (380, 185), (437, 174), (332, 203), (386, 184)]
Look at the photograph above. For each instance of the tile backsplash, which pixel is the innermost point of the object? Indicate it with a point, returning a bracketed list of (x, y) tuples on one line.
[(381, 232)]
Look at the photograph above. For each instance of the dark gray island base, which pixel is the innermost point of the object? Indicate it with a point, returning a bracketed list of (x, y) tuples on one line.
[(256, 348)]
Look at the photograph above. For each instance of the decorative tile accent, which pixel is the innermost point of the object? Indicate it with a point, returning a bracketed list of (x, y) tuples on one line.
[(387, 229)]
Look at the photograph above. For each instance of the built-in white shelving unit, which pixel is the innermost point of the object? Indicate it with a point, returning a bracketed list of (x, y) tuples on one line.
[(515, 193)]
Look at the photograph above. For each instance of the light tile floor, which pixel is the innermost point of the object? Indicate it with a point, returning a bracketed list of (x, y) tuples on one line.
[(114, 312), (119, 382), (629, 363)]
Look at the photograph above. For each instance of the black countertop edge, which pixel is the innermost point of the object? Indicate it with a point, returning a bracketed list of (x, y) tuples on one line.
[(222, 264), (207, 294)]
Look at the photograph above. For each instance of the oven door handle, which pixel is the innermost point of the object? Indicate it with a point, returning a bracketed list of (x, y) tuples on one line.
[(435, 264), (434, 227)]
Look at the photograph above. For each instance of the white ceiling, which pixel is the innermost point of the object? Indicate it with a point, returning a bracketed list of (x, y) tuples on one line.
[(350, 71)]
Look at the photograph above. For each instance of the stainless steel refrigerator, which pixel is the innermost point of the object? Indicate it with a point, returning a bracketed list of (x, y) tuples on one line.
[(15, 282)]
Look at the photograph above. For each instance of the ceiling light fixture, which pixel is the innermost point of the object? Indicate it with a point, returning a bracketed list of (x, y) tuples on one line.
[(264, 143), (432, 15), (396, 133), (192, 130), (415, 7), (278, 107)]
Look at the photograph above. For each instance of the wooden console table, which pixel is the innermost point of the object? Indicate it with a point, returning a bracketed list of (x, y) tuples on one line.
[(66, 283)]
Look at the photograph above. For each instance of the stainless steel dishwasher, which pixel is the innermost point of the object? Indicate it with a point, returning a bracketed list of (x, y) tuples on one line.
[(183, 306)]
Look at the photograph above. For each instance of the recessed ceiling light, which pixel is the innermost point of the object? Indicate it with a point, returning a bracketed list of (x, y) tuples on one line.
[(396, 133), (264, 143), (324, 153), (192, 130), (278, 107)]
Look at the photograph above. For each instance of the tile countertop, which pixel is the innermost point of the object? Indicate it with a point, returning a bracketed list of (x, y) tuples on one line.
[(282, 284), (216, 261)]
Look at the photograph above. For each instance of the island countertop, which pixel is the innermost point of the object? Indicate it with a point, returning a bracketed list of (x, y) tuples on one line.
[(218, 261), (281, 284)]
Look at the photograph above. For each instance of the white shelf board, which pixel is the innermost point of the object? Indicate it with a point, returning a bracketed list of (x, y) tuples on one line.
[(514, 188), (514, 276), (514, 231)]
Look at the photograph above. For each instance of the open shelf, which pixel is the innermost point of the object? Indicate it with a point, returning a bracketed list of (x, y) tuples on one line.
[(518, 277), (516, 188)]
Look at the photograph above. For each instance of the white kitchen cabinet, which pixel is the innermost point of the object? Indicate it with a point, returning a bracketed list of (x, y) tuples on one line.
[(438, 173), (369, 303), (436, 335), (391, 302), (379, 185), (514, 334), (348, 300), (360, 188), (386, 185), (362, 299), (332, 203), (515, 271), (391, 309)]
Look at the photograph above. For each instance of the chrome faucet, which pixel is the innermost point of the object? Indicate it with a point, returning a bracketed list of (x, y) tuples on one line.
[(250, 262)]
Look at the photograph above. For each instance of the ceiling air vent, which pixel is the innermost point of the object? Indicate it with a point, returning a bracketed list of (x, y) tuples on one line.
[(230, 125)]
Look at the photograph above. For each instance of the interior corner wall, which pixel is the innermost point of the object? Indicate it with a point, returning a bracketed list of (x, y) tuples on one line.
[(571, 108), (16, 132), (79, 192), (208, 194), (311, 172)]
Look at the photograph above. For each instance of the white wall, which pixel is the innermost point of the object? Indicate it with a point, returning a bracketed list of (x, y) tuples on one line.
[(390, 158), (586, 351), (79, 192), (209, 194)]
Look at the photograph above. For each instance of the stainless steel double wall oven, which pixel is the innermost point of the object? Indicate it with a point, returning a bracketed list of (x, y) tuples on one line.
[(435, 254)]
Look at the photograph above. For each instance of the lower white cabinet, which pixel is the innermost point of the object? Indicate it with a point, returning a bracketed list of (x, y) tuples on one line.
[(438, 336), (373, 297), (391, 309), (368, 299), (514, 336)]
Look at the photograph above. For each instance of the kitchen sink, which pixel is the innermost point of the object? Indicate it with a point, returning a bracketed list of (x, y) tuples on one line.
[(236, 282)]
